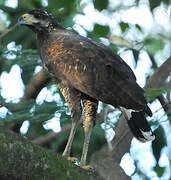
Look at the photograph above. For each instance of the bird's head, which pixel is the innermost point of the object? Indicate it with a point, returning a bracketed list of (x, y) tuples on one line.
[(39, 20)]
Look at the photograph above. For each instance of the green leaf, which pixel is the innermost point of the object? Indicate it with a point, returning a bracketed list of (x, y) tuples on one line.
[(135, 54), (169, 108), (137, 2), (154, 3), (154, 64), (138, 27), (159, 170), (64, 7), (167, 2), (46, 107), (113, 47), (124, 26), (100, 30), (2, 1), (15, 118), (154, 44), (159, 142), (27, 72), (152, 93), (100, 4)]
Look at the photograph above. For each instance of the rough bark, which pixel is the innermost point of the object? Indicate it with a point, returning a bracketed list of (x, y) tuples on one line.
[(107, 162), (22, 160)]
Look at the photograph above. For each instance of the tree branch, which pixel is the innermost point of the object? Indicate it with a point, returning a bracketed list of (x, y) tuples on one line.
[(8, 31), (20, 159), (42, 140), (156, 80), (36, 84), (105, 160)]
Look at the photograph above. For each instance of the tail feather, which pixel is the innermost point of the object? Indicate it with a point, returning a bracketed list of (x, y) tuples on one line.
[(138, 124)]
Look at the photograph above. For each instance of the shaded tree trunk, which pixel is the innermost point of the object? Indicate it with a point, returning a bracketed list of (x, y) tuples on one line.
[(22, 160)]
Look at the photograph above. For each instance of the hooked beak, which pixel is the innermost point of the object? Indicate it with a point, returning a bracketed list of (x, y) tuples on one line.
[(27, 19), (21, 21)]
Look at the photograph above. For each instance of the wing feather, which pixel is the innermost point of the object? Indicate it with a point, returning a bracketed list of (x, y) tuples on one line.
[(94, 69)]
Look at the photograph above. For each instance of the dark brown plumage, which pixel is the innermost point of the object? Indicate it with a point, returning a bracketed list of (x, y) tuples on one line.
[(88, 71)]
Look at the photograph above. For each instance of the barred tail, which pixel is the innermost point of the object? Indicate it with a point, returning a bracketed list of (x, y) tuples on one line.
[(138, 124)]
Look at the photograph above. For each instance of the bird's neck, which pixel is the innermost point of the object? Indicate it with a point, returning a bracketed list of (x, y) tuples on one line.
[(46, 28), (54, 27)]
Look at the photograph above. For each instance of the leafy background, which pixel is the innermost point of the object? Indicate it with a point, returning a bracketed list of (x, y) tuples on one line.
[(148, 46)]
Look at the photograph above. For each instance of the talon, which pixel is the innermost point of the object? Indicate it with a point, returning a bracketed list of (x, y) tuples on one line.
[(72, 159), (87, 168)]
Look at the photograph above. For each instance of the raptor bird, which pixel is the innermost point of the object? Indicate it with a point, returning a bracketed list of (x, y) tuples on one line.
[(87, 72)]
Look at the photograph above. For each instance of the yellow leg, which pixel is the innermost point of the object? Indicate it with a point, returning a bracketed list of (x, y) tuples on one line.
[(67, 150), (90, 109), (72, 97), (87, 132)]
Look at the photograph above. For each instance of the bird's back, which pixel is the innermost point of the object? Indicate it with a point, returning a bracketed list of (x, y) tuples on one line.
[(88, 71), (92, 68)]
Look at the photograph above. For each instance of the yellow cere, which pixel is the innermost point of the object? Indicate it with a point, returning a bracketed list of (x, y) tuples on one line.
[(30, 19)]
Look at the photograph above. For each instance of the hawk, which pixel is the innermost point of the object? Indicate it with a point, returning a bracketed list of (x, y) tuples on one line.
[(88, 72)]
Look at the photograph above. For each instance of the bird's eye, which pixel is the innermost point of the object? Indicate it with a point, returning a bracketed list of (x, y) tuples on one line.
[(24, 16)]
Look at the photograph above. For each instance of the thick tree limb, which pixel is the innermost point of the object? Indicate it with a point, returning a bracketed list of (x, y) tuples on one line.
[(36, 84), (156, 80), (52, 136), (107, 162), (20, 159)]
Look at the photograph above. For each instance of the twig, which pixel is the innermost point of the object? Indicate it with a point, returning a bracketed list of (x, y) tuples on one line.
[(8, 31), (50, 136), (156, 80)]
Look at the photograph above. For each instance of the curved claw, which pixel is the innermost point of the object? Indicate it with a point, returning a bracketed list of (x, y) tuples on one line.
[(87, 168), (72, 159)]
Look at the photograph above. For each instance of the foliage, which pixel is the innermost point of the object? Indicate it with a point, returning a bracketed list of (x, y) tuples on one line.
[(100, 5), (153, 44), (101, 31), (26, 57), (152, 93)]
